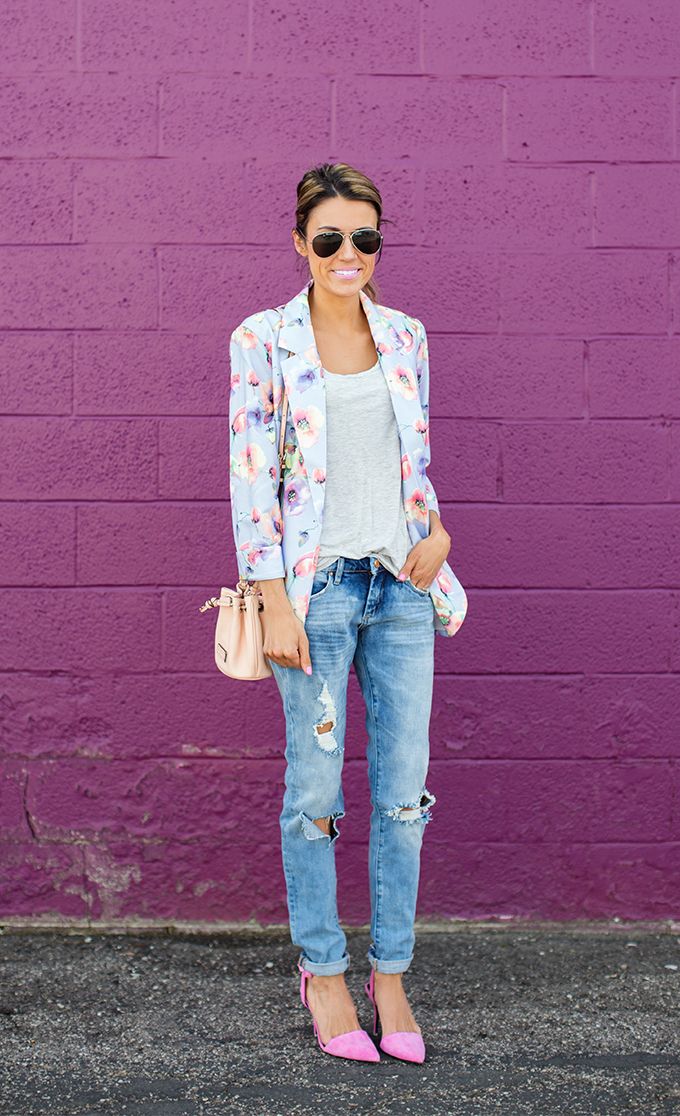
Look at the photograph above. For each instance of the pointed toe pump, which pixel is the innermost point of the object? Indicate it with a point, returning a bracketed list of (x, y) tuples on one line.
[(352, 1044), (407, 1045)]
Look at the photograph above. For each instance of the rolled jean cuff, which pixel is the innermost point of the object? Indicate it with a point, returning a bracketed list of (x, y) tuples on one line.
[(330, 968), (389, 966)]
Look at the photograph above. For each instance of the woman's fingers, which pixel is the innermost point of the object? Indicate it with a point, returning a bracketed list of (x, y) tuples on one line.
[(304, 657)]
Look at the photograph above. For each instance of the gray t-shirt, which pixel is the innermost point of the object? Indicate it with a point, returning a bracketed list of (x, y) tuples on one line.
[(363, 509)]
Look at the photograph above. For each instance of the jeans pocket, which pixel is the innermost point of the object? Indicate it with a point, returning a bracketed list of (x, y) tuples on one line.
[(322, 581), (414, 588)]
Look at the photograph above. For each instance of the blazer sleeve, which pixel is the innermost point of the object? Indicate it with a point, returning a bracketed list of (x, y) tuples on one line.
[(423, 375), (253, 454)]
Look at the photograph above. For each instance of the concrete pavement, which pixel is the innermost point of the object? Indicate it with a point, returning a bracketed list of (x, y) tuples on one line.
[(518, 1019)]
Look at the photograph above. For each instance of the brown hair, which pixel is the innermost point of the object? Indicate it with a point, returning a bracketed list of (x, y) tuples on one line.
[(331, 180)]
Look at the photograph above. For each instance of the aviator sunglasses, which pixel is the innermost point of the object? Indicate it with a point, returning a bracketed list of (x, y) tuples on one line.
[(368, 241)]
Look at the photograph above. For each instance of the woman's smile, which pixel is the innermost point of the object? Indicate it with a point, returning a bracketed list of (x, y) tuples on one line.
[(346, 272)]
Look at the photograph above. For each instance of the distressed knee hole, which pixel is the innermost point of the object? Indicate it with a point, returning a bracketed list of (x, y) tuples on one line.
[(413, 811), (316, 828), (324, 730)]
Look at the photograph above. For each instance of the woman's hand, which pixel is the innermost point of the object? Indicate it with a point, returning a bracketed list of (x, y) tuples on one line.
[(285, 640), (424, 560)]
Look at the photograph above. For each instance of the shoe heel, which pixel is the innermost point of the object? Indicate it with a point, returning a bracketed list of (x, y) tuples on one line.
[(303, 985), (369, 990)]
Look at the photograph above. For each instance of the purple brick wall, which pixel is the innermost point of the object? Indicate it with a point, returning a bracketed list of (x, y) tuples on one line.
[(528, 157)]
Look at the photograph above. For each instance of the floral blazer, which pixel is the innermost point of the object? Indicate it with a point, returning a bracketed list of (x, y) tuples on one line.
[(274, 348)]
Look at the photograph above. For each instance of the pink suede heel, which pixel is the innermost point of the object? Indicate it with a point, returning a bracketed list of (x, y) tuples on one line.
[(407, 1045), (351, 1044)]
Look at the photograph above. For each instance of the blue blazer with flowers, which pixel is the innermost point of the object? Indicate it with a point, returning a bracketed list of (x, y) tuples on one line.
[(274, 348)]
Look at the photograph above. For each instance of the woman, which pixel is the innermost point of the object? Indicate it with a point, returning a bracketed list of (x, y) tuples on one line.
[(351, 564)]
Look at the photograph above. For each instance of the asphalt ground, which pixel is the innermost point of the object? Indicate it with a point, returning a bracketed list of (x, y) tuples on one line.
[(517, 1018)]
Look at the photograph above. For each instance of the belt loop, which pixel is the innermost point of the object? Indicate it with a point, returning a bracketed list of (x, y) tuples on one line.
[(340, 565)]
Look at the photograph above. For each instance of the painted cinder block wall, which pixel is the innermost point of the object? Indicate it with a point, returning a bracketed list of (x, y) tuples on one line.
[(528, 158)]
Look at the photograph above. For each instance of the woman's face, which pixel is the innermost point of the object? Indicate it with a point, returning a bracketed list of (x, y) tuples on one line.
[(345, 215)]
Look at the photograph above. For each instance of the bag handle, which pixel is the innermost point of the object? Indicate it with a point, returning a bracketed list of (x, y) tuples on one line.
[(282, 433)]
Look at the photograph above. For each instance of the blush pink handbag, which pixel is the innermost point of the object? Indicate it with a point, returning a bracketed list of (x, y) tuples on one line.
[(238, 633)]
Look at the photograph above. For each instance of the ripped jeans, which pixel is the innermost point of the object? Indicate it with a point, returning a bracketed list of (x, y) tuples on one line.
[(358, 613)]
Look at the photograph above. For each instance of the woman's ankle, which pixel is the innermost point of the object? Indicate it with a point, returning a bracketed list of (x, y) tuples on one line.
[(323, 981), (387, 979)]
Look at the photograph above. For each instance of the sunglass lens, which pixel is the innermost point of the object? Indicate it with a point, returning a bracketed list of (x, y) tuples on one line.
[(326, 243), (367, 241)]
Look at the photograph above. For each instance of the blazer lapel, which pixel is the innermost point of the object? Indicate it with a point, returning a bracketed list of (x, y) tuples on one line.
[(306, 388)]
